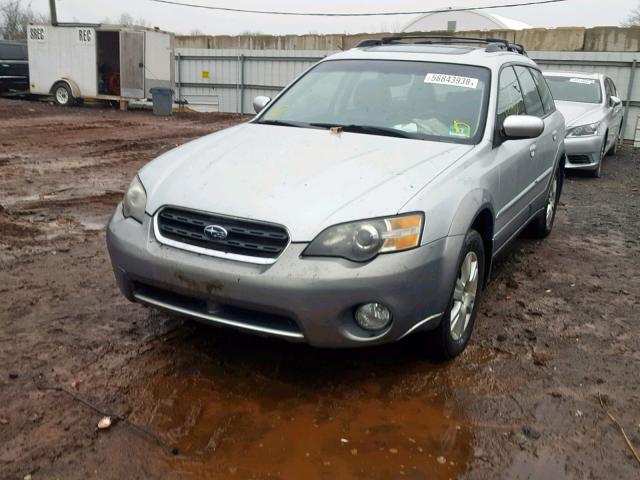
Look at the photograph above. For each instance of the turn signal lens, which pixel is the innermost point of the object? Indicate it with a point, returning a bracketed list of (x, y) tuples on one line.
[(402, 233)]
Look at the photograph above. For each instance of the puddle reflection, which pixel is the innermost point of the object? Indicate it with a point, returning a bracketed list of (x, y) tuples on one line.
[(237, 405)]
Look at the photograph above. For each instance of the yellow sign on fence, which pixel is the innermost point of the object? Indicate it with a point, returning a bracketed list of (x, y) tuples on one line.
[(205, 74)]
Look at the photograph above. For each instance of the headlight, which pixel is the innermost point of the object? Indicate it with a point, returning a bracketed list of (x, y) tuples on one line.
[(584, 130), (364, 240), (135, 201)]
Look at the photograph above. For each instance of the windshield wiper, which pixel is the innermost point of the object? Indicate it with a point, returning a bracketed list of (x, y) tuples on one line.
[(370, 129), (283, 123)]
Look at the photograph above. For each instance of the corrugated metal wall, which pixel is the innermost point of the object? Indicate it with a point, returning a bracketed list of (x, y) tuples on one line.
[(228, 80)]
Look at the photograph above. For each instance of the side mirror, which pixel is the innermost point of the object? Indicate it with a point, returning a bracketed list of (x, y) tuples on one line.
[(614, 101), (518, 127), (260, 102)]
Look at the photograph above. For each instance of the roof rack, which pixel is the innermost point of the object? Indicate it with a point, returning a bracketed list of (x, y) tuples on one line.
[(493, 44)]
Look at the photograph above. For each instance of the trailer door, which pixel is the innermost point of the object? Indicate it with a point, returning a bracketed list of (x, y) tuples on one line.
[(132, 64)]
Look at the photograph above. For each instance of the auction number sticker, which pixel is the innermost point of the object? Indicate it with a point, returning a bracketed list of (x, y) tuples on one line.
[(586, 81), (455, 80)]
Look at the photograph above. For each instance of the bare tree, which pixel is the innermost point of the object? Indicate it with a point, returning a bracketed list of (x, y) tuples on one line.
[(15, 17), (633, 20), (127, 19)]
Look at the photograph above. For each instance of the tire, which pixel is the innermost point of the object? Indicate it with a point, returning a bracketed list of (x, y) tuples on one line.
[(613, 151), (453, 333), (542, 225), (597, 172), (62, 95)]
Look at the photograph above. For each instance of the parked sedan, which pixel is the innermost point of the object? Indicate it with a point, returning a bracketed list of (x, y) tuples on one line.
[(14, 67), (593, 113)]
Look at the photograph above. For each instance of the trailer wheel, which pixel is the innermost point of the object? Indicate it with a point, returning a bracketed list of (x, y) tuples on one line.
[(62, 94)]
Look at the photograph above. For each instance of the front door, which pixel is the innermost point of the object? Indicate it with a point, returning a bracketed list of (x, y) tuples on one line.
[(614, 112), (132, 64)]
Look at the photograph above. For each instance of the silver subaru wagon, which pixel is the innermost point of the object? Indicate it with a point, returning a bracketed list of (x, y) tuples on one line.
[(363, 204)]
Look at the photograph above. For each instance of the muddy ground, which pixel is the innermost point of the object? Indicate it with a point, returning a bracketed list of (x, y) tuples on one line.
[(557, 328)]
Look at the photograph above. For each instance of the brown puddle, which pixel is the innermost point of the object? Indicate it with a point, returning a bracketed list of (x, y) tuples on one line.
[(254, 408)]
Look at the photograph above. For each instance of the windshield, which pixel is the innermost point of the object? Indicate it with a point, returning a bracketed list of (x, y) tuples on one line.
[(428, 101), (569, 89)]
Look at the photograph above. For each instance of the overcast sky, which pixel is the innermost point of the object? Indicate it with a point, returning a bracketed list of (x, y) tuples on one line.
[(185, 20)]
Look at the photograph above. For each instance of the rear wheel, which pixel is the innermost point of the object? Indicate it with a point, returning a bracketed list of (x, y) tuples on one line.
[(454, 332), (542, 225), (62, 94)]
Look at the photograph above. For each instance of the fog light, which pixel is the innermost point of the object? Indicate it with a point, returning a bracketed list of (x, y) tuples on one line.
[(373, 316)]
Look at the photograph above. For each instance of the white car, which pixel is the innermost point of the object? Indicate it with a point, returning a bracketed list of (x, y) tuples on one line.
[(593, 113)]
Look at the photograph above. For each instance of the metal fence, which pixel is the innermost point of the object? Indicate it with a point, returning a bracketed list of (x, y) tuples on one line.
[(228, 80)]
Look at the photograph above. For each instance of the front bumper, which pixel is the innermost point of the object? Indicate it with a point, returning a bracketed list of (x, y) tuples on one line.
[(583, 152), (301, 299)]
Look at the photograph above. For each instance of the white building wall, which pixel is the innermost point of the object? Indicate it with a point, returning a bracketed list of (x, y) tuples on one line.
[(464, 21)]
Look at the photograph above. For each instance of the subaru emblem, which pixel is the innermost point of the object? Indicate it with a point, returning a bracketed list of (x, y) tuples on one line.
[(216, 232)]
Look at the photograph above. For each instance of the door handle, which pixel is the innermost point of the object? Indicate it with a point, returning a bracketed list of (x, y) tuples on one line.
[(5, 65), (555, 135), (532, 150)]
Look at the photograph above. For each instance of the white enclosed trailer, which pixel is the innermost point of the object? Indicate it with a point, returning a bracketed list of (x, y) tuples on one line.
[(109, 62)]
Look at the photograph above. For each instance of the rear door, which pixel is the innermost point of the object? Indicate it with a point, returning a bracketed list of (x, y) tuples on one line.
[(551, 140), (515, 163), (132, 64)]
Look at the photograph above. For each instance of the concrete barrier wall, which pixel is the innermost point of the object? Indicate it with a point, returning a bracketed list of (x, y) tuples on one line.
[(571, 39)]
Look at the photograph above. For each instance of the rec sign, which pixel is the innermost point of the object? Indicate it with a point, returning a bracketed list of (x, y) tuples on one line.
[(85, 36)]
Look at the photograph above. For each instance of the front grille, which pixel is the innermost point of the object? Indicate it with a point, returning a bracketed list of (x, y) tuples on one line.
[(244, 237), (579, 159)]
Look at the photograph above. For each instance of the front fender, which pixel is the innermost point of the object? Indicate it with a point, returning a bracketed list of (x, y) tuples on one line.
[(468, 209)]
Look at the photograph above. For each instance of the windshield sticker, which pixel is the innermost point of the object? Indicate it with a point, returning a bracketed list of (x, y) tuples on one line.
[(454, 80), (460, 129), (585, 81), (278, 111)]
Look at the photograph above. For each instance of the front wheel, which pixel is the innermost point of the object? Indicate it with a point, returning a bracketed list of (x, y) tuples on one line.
[(454, 332)]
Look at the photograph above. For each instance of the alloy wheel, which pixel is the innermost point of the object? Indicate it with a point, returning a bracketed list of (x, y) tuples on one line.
[(62, 96), (464, 296), (551, 202)]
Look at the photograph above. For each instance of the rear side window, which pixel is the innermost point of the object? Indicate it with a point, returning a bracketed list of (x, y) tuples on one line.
[(510, 101), (547, 99), (532, 100)]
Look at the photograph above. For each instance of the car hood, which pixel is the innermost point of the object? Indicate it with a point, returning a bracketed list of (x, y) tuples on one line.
[(578, 113), (304, 179)]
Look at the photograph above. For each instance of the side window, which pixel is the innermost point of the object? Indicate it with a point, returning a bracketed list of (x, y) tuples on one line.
[(532, 100), (510, 101), (11, 52), (611, 89), (547, 98), (607, 90)]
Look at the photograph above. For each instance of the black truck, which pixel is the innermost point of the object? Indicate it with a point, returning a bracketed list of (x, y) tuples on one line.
[(14, 67)]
